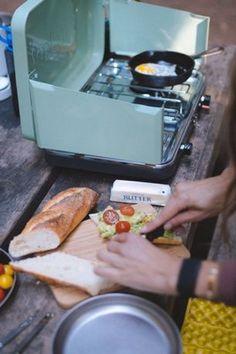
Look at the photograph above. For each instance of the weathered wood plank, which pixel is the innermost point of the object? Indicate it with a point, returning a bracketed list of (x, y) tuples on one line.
[(24, 174)]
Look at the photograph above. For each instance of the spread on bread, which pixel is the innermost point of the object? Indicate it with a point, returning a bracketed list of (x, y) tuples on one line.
[(58, 218), (168, 238), (126, 218)]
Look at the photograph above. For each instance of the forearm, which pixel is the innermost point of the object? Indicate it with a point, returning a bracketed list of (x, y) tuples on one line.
[(220, 185), (227, 176), (194, 201)]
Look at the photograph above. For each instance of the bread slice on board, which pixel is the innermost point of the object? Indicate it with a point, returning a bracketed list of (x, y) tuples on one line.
[(65, 269), (59, 217), (162, 240)]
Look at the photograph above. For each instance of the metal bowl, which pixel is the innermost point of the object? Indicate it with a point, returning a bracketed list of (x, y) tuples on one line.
[(5, 258), (117, 324)]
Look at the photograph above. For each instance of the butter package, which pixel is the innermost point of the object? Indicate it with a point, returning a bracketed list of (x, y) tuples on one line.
[(140, 192)]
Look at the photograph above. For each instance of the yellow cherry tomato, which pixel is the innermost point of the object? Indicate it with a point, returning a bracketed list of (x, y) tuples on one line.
[(8, 269), (6, 281)]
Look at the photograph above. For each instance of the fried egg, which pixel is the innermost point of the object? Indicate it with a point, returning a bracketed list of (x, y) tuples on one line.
[(156, 69)]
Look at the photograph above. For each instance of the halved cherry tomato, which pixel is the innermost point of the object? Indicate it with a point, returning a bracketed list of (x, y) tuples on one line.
[(122, 226), (2, 294), (2, 271), (127, 210), (110, 216)]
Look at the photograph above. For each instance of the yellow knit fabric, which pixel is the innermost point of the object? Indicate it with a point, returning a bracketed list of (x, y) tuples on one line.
[(209, 328)]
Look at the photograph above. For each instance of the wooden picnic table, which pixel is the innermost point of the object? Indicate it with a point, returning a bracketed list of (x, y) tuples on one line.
[(27, 181)]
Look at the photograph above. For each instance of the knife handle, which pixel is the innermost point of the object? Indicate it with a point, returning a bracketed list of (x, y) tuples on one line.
[(155, 233)]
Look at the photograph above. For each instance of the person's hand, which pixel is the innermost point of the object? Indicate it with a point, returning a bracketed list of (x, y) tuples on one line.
[(132, 261), (192, 202)]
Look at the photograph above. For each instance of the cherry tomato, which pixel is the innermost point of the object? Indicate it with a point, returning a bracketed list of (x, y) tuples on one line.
[(2, 294), (6, 281), (2, 268), (110, 216), (127, 210), (122, 226), (8, 269)]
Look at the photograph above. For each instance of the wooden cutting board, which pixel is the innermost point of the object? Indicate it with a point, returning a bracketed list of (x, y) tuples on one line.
[(84, 242)]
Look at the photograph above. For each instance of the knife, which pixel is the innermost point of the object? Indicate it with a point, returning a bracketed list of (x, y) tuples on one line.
[(14, 333), (155, 233), (26, 341)]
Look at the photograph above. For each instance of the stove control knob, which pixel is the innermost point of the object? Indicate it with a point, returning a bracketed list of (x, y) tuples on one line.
[(186, 148), (204, 103)]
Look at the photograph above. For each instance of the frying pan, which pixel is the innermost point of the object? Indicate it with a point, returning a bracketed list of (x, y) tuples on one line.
[(184, 65)]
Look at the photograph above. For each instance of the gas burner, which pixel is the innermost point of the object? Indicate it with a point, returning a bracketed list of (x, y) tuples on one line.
[(137, 88), (170, 92), (166, 97)]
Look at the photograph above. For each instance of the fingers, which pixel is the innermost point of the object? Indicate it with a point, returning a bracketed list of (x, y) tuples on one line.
[(179, 230), (110, 258), (165, 218), (184, 217), (151, 226), (120, 237), (107, 272), (114, 246), (113, 259), (117, 251)]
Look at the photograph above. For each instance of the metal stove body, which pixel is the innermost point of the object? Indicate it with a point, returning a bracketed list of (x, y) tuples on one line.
[(181, 105), (77, 97)]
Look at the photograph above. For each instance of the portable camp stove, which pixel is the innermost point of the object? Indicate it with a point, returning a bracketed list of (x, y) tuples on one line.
[(180, 103), (77, 97)]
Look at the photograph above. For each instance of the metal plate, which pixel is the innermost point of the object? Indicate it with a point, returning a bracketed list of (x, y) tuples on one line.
[(5, 258), (117, 324)]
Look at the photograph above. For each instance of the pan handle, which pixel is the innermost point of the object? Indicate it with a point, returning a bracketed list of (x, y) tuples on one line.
[(209, 52)]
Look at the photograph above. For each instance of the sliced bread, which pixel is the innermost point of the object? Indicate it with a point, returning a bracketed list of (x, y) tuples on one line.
[(65, 269)]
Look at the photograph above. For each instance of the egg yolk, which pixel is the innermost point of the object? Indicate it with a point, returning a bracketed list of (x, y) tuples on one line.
[(145, 69)]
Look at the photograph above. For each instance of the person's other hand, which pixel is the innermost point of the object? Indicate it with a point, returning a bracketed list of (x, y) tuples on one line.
[(133, 261), (192, 202)]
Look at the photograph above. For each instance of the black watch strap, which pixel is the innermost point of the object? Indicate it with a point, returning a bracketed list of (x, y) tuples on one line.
[(188, 277)]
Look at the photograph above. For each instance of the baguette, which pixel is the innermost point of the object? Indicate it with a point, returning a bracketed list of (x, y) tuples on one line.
[(64, 269), (58, 218)]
